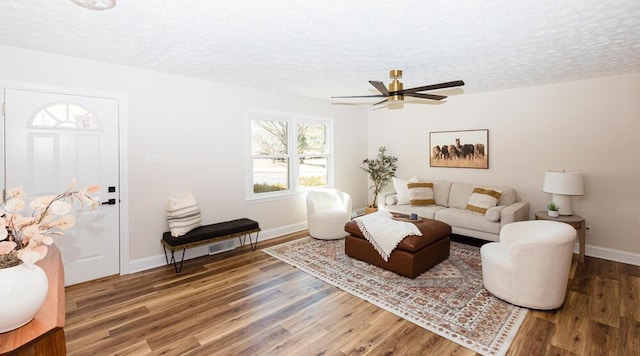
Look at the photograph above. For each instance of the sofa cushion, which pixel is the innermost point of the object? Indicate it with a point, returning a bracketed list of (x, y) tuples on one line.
[(425, 211), (441, 192), (508, 196), (421, 193), (400, 186), (482, 199), (467, 220)]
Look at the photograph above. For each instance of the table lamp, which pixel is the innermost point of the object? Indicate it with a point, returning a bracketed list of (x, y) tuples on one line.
[(563, 186)]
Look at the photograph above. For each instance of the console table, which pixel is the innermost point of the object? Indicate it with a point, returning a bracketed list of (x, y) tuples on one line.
[(44, 335), (576, 221)]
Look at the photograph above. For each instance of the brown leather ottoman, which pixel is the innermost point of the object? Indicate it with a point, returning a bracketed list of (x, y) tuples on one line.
[(414, 254)]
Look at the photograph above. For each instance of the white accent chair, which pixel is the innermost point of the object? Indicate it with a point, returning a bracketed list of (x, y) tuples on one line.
[(530, 265), (328, 210)]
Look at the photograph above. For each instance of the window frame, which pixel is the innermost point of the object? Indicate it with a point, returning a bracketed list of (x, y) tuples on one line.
[(292, 152)]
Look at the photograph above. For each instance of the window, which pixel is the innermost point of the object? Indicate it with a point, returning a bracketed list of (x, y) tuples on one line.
[(65, 116), (270, 155), (289, 153)]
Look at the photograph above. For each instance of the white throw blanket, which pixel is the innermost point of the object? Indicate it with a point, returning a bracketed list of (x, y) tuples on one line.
[(383, 232)]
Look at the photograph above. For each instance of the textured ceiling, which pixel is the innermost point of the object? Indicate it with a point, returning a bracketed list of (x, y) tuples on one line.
[(333, 47)]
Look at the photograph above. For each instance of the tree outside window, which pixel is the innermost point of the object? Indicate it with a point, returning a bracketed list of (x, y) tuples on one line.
[(312, 154), (270, 155)]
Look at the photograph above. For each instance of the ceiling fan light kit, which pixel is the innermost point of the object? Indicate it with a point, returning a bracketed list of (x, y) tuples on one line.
[(396, 91), (95, 4), (395, 85)]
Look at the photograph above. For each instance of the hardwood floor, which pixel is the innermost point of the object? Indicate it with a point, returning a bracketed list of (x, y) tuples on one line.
[(249, 303)]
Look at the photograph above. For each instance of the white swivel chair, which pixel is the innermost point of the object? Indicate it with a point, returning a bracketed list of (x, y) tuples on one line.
[(328, 210), (530, 265)]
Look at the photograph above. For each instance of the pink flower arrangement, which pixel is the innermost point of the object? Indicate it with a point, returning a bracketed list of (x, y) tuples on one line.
[(25, 237)]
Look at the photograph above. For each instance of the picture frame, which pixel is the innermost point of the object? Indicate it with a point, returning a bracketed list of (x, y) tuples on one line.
[(459, 149)]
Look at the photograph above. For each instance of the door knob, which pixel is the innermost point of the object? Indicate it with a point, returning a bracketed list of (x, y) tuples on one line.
[(109, 202)]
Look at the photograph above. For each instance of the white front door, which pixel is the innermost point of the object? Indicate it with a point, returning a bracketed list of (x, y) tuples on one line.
[(51, 138)]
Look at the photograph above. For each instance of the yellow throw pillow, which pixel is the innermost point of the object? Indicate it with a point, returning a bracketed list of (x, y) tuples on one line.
[(421, 193), (482, 199)]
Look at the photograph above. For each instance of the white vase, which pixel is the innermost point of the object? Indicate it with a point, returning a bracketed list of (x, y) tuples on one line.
[(23, 290), (553, 213)]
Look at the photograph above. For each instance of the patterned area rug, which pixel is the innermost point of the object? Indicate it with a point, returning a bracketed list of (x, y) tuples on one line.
[(448, 299)]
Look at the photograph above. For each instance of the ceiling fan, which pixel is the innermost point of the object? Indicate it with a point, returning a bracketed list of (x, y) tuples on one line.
[(395, 92)]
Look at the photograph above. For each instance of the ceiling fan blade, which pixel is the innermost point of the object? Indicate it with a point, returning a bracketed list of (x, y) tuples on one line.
[(358, 96), (426, 96), (455, 83), (380, 102), (380, 86)]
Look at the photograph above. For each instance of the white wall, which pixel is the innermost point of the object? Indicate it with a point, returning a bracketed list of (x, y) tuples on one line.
[(588, 126), (195, 129)]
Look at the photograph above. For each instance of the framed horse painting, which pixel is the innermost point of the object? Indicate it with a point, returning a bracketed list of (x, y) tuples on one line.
[(459, 149)]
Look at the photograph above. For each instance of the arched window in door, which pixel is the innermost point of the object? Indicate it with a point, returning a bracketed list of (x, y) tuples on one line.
[(65, 116)]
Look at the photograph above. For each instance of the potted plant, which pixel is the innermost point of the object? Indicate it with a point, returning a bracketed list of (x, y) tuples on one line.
[(380, 170), (25, 232), (552, 210)]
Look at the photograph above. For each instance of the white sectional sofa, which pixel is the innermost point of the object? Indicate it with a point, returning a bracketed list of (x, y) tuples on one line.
[(451, 200)]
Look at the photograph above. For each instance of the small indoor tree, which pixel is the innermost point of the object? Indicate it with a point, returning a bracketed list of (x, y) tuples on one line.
[(380, 170)]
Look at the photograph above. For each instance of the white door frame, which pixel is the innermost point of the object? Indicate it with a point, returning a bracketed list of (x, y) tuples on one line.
[(123, 159)]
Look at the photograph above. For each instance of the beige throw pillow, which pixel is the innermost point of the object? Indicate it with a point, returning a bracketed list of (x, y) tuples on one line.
[(482, 199), (183, 214), (421, 193)]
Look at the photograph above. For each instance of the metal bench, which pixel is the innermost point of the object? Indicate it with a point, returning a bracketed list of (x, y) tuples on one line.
[(206, 234)]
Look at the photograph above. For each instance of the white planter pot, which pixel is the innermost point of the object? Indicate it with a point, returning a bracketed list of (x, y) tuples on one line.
[(23, 290), (553, 213)]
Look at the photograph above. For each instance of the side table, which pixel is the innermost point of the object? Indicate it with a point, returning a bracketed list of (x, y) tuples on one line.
[(576, 221)]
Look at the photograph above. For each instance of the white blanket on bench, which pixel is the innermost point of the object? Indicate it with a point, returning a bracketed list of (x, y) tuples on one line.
[(384, 233)]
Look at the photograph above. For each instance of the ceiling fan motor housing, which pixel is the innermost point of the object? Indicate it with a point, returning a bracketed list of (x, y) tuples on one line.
[(395, 85)]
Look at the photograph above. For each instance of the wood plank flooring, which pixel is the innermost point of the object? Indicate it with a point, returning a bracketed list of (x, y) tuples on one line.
[(249, 303)]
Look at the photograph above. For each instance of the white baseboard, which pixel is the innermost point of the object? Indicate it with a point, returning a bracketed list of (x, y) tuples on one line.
[(611, 254), (146, 263)]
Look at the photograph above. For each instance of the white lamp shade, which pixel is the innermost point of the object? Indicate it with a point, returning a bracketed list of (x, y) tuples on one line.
[(565, 183), (95, 4)]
